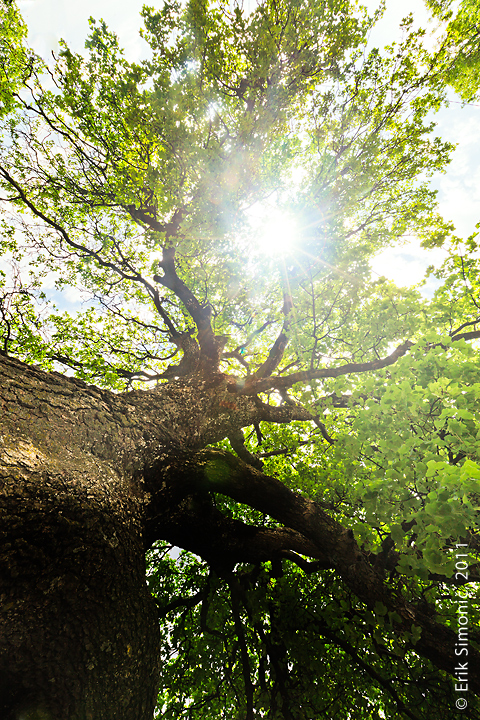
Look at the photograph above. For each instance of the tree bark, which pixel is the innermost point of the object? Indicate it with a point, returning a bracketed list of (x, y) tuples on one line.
[(79, 629)]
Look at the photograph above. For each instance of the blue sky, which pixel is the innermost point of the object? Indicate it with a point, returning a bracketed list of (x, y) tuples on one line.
[(459, 189)]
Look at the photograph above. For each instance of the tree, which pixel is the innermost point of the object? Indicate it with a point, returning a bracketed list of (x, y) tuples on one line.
[(304, 432), (462, 29)]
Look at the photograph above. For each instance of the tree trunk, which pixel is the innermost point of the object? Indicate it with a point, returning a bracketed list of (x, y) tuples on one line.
[(77, 468), (79, 629)]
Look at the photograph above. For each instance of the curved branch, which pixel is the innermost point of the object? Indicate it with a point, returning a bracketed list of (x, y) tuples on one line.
[(237, 441), (253, 385), (61, 230), (222, 472), (473, 335), (228, 541)]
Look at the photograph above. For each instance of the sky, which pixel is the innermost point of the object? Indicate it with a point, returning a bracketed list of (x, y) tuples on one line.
[(458, 190)]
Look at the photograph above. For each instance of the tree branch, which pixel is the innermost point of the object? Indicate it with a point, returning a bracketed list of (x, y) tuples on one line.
[(348, 648), (278, 348), (253, 385), (210, 346), (473, 335), (181, 602), (305, 565), (228, 541), (126, 272), (231, 476), (237, 441)]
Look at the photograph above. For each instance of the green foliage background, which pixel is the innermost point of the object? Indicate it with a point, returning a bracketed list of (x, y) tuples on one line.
[(108, 162)]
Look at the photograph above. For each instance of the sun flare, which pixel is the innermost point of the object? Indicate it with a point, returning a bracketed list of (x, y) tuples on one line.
[(279, 232)]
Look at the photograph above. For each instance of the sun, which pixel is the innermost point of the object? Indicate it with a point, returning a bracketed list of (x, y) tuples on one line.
[(278, 233)]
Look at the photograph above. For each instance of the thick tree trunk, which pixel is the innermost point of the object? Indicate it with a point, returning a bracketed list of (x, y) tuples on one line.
[(79, 630), (77, 468)]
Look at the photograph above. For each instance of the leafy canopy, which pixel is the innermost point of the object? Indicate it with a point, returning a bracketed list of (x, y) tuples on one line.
[(133, 187)]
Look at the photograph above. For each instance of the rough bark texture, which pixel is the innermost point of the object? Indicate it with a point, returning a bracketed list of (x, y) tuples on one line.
[(79, 630), (88, 479)]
